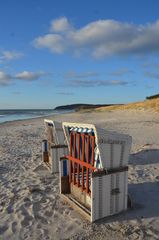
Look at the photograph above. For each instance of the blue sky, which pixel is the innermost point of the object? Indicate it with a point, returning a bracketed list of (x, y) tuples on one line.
[(62, 52)]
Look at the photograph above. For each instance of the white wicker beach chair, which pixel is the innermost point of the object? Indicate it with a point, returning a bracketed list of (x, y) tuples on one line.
[(56, 145), (94, 175)]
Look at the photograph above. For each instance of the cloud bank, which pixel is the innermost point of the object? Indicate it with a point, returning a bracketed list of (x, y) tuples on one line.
[(73, 74), (96, 83), (100, 38), (7, 79)]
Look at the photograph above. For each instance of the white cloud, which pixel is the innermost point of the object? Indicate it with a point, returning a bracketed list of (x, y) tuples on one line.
[(29, 76), (5, 79), (73, 74), (101, 38), (60, 25), (10, 55), (53, 42), (96, 83), (89, 79)]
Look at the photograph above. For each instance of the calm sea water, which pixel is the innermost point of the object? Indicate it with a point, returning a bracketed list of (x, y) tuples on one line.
[(11, 115)]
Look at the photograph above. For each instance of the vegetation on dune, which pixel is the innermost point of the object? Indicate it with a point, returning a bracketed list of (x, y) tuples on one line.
[(153, 96), (151, 104)]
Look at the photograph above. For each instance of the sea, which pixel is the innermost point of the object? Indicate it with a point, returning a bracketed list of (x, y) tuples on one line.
[(21, 114)]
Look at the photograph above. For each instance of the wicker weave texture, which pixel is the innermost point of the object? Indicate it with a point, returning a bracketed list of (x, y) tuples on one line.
[(109, 195)]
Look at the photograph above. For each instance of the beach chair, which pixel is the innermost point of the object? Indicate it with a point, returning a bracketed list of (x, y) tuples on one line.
[(54, 146), (94, 174)]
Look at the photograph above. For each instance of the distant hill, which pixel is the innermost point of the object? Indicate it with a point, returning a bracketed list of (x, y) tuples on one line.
[(153, 96), (81, 106)]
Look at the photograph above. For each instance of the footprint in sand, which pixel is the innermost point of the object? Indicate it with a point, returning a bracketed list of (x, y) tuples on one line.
[(9, 209), (3, 170), (3, 229), (27, 221), (27, 202), (14, 227), (48, 213), (25, 216)]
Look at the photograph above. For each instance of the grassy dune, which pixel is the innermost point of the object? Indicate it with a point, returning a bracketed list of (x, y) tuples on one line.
[(152, 105)]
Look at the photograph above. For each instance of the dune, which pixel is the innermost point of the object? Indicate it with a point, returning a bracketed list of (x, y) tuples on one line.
[(150, 105)]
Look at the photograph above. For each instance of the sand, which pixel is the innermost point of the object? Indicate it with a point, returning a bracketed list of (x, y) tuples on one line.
[(30, 204)]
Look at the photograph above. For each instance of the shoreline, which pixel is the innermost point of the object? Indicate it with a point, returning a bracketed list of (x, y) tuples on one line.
[(37, 117), (25, 119)]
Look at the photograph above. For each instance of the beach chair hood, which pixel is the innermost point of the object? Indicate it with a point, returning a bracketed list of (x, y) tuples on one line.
[(58, 137), (111, 148)]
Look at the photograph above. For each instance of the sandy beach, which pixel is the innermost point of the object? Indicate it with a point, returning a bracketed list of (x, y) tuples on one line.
[(30, 204)]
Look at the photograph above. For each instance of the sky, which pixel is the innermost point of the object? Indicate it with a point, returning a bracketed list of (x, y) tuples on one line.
[(57, 52)]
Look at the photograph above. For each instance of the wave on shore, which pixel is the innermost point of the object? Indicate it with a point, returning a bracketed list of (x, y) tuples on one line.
[(20, 114)]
